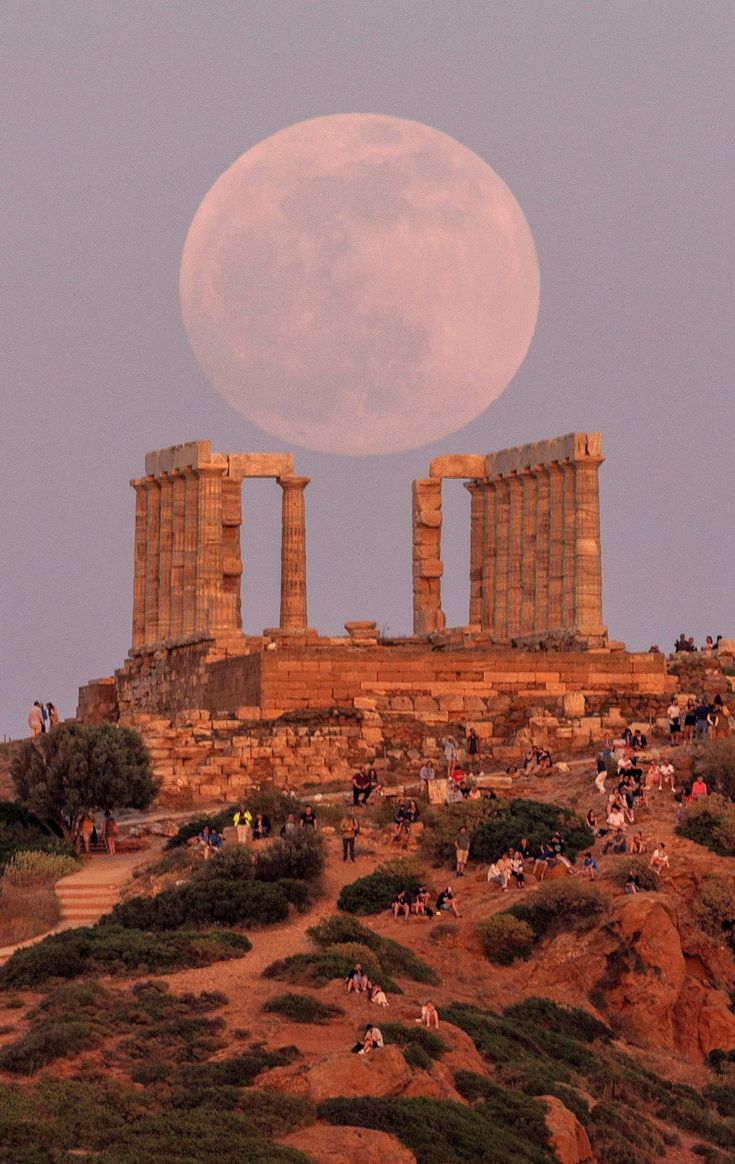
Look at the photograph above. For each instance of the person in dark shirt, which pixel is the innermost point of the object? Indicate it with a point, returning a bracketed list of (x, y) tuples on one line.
[(446, 901), (261, 827), (308, 818), (361, 786)]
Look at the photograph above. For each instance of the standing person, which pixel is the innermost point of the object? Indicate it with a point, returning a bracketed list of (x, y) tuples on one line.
[(35, 719), (701, 719), (450, 755), (462, 850), (109, 832), (53, 716), (348, 829), (307, 820), (86, 828), (242, 821), (673, 711), (690, 721), (45, 723), (473, 748), (720, 729)]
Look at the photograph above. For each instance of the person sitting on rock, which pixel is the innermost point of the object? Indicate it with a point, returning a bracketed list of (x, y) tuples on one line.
[(421, 903), (699, 789), (499, 872), (261, 827), (591, 821), (517, 870), (360, 786), (289, 827), (659, 858), (372, 1039), (427, 775), (524, 848), (666, 775), (357, 980), (559, 848), (545, 860), (632, 884), (376, 994), (638, 844), (614, 842), (446, 901), (429, 1015), (589, 867), (401, 824), (616, 818), (400, 904)]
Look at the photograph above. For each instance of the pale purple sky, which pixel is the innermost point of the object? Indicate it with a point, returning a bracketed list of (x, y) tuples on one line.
[(612, 125)]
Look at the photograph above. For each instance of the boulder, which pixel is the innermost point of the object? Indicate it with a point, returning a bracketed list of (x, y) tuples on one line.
[(382, 1072), (568, 1138), (331, 1144), (164, 828)]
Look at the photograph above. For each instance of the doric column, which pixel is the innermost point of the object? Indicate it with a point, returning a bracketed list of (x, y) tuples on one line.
[(176, 611), (515, 551), (191, 517), (209, 546), (427, 564), (231, 551), (165, 554), (528, 552), (588, 572), (477, 538), (502, 530), (569, 553), (487, 585), (556, 545), (541, 550), (153, 515), (293, 553), (139, 560)]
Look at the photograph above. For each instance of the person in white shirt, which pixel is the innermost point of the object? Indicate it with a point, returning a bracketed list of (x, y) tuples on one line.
[(666, 775)]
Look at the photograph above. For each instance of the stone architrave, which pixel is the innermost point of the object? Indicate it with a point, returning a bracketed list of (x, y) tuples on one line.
[(165, 555), (528, 552), (477, 540), (176, 612), (293, 554), (139, 560), (428, 568), (515, 553), (153, 515)]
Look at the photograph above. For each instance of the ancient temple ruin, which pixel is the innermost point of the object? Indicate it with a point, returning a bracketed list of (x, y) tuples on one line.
[(535, 570)]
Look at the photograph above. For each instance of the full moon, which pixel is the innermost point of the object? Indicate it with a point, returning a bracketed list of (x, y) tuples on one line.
[(359, 284)]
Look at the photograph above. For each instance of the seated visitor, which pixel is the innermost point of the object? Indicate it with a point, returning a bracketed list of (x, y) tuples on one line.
[(261, 827), (360, 786), (591, 821), (516, 870), (371, 1040), (376, 994), (289, 828), (422, 902), (429, 1015), (699, 788), (400, 904), (524, 848), (589, 867), (615, 842), (499, 872), (632, 884), (637, 844), (446, 902), (357, 980), (659, 858)]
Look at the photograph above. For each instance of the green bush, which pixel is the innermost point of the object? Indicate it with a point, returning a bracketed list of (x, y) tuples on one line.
[(442, 825), (115, 950), (554, 1016), (373, 893), (711, 822), (445, 1132), (716, 763), (300, 857), (209, 902), (722, 1095), (430, 1042), (326, 966), (301, 1008), (28, 866), (229, 863), (504, 938), (533, 819), (299, 894), (52, 1040), (394, 958), (640, 867), (559, 905), (174, 861), (714, 907)]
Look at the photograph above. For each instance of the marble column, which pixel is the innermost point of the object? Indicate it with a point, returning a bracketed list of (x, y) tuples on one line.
[(428, 567), (165, 554), (231, 549), (569, 553), (588, 574), (541, 549), (515, 551), (153, 517), (293, 554), (528, 552), (489, 547), (556, 545), (176, 611), (139, 560), (209, 547), (502, 528), (189, 571), (477, 538)]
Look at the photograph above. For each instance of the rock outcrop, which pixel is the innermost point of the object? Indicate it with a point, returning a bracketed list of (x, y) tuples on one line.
[(327, 1144), (568, 1138)]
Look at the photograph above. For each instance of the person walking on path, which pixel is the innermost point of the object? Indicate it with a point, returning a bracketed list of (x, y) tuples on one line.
[(86, 828), (348, 829), (109, 832), (35, 720), (53, 716)]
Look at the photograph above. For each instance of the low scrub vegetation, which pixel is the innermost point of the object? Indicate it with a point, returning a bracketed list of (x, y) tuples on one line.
[(301, 1008), (419, 1045), (715, 761), (111, 949), (559, 905), (442, 825), (392, 956), (202, 903), (374, 893), (335, 962), (28, 904), (714, 907), (640, 868), (533, 819), (711, 822), (504, 938)]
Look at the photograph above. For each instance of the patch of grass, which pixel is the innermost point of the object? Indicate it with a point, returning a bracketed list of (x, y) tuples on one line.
[(112, 949), (419, 1045), (559, 905), (301, 1008), (334, 963), (504, 938), (564, 1020), (393, 957)]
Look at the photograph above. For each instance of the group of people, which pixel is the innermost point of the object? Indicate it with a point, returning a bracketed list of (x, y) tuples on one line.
[(417, 903), (698, 721), (88, 835), (257, 826), (372, 1037), (42, 718), (687, 644)]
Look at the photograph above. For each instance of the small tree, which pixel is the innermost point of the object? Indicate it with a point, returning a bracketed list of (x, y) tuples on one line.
[(75, 769)]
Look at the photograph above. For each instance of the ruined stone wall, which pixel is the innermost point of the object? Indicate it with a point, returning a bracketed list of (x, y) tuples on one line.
[(171, 679)]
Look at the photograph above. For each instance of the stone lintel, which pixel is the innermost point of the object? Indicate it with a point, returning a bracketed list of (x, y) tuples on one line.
[(574, 446), (243, 465), (458, 465), (186, 456)]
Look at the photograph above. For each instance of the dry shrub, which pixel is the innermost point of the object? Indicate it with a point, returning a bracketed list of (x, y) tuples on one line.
[(26, 910)]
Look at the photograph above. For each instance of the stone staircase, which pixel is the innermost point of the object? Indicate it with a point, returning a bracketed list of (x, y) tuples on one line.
[(83, 904)]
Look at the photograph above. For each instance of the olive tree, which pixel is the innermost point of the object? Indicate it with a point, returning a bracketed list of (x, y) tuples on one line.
[(75, 769)]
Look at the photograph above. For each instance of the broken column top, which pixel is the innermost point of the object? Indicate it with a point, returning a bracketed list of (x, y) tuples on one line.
[(194, 454)]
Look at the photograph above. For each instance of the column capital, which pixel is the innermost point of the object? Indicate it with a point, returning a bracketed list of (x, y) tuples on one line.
[(293, 482)]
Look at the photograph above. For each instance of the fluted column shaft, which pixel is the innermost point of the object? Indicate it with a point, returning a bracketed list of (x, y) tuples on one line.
[(502, 529), (165, 554), (588, 573), (487, 584), (208, 546), (569, 554), (556, 545), (176, 608), (528, 552), (153, 518), (139, 560), (477, 538), (189, 571), (293, 553), (515, 550), (541, 549)]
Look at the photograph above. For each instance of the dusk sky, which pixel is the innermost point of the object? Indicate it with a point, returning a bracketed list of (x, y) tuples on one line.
[(612, 124)]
